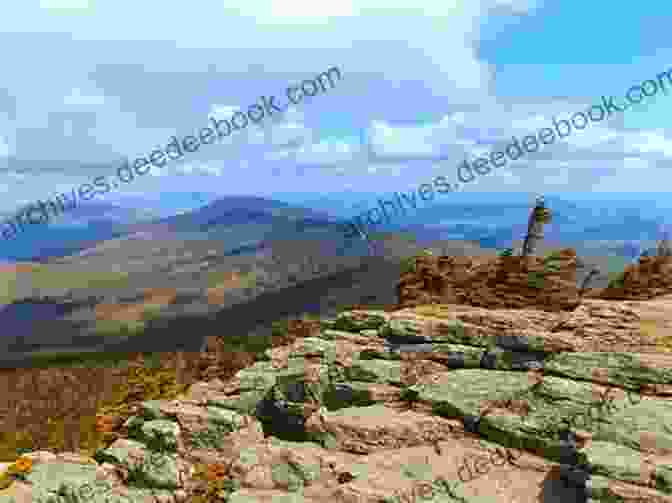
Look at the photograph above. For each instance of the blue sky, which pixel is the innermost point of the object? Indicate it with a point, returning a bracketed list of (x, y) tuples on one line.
[(87, 82)]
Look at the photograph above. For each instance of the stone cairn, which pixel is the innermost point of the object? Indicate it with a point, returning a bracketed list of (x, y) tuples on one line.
[(513, 282), (539, 216)]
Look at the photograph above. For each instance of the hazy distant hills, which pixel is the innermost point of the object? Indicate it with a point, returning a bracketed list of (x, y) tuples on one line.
[(92, 211), (274, 249), (237, 221), (593, 227), (78, 228), (245, 222), (248, 225), (239, 209), (255, 218)]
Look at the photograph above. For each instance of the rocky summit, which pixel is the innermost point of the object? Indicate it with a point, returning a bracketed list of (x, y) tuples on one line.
[(440, 402)]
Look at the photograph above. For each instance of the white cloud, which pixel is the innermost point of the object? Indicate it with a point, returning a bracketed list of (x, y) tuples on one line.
[(5, 148), (387, 141), (77, 97), (634, 175), (650, 141), (327, 152), (278, 155), (197, 168), (19, 177), (225, 112), (157, 79), (291, 134), (67, 5)]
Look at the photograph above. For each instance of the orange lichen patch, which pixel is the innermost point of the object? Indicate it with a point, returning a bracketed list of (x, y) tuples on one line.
[(16, 470), (216, 471), (23, 465), (162, 296), (121, 312), (229, 281), (19, 267), (216, 295), (135, 312), (106, 423)]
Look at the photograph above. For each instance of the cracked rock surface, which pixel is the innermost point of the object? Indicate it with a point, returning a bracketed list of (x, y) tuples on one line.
[(442, 403)]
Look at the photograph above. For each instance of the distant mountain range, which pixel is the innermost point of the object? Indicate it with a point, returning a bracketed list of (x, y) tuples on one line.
[(78, 228), (237, 220), (228, 251), (237, 210), (609, 227), (244, 223)]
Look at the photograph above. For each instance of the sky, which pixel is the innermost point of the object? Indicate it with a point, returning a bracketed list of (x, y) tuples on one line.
[(424, 85)]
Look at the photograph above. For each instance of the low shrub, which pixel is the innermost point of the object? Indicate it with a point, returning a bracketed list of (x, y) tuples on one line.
[(59, 398), (535, 279), (616, 280), (16, 471), (119, 328), (408, 265), (551, 262), (213, 483)]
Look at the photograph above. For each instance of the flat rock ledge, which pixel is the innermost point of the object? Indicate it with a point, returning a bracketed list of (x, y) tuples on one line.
[(441, 403)]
